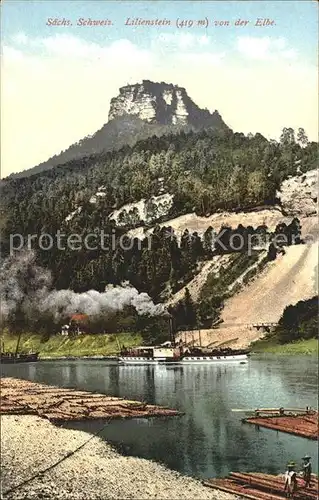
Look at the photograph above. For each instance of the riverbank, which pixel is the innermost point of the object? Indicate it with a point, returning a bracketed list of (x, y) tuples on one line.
[(101, 345), (272, 346), (59, 346), (95, 471)]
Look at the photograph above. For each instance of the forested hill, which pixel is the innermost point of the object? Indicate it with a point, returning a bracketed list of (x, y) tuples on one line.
[(124, 130), (205, 172), (299, 321), (202, 172)]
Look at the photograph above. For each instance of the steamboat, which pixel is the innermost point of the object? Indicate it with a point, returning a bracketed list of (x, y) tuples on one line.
[(168, 353), (172, 352)]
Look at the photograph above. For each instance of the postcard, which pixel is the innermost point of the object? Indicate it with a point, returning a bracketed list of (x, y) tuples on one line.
[(159, 249)]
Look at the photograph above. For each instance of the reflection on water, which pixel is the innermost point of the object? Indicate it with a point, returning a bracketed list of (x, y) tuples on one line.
[(209, 440)]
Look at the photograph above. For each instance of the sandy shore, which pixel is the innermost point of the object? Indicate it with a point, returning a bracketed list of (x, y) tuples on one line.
[(30, 444)]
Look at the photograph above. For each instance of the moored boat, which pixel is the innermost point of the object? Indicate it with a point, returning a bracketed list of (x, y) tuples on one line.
[(17, 357), (169, 353), (11, 357)]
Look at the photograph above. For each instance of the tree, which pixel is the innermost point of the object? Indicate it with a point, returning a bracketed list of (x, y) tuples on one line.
[(208, 241), (196, 247), (238, 186), (222, 243), (287, 136), (302, 138), (299, 321), (151, 210), (256, 187), (272, 252), (281, 236), (294, 230), (186, 253), (189, 310)]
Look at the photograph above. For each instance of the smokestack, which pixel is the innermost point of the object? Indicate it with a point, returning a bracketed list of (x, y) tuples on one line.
[(171, 325), (200, 338)]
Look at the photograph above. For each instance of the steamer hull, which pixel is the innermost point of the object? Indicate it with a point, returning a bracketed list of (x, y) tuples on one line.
[(131, 360), (209, 360), (176, 356)]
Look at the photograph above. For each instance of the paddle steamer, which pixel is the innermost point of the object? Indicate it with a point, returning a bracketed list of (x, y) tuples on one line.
[(168, 353)]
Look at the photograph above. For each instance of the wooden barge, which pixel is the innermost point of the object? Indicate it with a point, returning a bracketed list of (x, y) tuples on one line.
[(59, 404), (12, 358), (16, 357), (257, 486), (297, 421)]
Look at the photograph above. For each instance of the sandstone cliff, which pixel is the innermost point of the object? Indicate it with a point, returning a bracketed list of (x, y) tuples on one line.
[(299, 194), (161, 103)]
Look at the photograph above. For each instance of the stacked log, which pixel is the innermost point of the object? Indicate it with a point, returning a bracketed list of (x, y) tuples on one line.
[(258, 486), (62, 404), (299, 425)]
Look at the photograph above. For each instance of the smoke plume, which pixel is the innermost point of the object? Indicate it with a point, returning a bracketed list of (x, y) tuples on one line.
[(26, 288)]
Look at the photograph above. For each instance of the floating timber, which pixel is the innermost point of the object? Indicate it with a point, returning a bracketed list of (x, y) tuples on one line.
[(257, 486), (299, 422), (22, 397)]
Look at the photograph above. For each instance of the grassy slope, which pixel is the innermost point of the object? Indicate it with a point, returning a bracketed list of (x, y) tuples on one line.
[(272, 345), (99, 345), (84, 345)]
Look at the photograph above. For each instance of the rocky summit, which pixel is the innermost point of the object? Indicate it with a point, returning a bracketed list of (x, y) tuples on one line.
[(161, 103), (139, 111)]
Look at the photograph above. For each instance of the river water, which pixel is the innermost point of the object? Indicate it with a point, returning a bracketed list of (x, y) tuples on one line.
[(209, 440)]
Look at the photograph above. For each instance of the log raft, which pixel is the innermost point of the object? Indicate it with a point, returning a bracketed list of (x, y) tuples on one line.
[(258, 486), (57, 404), (299, 422)]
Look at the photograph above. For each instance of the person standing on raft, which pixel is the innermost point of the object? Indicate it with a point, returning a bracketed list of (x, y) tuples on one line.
[(307, 470), (290, 480)]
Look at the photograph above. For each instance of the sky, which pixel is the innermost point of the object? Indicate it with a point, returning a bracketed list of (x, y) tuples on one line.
[(57, 81)]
